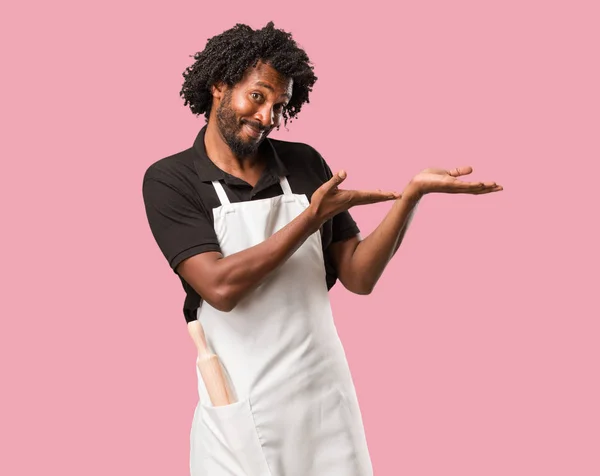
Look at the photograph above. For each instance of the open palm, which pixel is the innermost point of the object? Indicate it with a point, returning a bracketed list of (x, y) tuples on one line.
[(435, 180)]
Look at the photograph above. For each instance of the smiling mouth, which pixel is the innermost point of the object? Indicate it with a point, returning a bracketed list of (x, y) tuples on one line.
[(252, 131)]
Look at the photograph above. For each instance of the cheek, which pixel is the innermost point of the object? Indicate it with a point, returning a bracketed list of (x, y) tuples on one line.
[(242, 107)]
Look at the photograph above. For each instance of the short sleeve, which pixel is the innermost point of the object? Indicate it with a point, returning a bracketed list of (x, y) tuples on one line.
[(180, 227), (344, 226)]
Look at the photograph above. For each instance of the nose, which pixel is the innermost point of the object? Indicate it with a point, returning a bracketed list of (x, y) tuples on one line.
[(266, 116)]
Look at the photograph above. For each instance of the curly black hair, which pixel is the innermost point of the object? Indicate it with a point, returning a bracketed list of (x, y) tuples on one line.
[(227, 56)]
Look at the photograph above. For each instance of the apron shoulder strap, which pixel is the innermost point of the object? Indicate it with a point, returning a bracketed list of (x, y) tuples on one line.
[(221, 192), (285, 186)]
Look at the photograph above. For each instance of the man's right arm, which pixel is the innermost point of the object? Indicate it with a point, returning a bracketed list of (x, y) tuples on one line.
[(224, 281)]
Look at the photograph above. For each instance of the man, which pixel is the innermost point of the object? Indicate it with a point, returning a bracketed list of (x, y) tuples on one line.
[(258, 231)]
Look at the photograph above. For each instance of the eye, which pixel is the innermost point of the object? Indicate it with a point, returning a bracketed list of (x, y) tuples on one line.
[(256, 96), (278, 107)]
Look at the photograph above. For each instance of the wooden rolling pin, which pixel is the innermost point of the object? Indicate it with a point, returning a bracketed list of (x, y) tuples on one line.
[(210, 368)]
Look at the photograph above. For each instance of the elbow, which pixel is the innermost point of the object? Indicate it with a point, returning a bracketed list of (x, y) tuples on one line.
[(223, 306), (363, 290), (210, 282), (222, 300), (361, 287)]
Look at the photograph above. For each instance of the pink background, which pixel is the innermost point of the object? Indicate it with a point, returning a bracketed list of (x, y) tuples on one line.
[(478, 352)]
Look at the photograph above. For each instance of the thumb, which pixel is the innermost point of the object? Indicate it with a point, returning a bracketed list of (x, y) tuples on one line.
[(337, 179), (458, 171)]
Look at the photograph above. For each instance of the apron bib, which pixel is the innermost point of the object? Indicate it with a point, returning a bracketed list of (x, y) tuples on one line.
[(296, 411)]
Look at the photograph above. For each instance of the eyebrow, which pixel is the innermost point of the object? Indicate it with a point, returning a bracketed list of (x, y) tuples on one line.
[(270, 88)]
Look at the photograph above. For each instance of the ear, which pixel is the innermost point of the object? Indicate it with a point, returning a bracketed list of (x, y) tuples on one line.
[(218, 90)]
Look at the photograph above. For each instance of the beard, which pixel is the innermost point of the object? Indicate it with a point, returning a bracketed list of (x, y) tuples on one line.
[(231, 129)]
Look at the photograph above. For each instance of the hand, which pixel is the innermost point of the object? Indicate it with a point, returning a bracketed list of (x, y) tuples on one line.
[(328, 200), (445, 181)]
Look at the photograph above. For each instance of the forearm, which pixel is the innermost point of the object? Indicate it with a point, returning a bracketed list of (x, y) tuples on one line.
[(238, 274), (373, 253), (224, 281)]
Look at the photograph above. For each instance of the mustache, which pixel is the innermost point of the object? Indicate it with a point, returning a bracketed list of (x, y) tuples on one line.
[(256, 125)]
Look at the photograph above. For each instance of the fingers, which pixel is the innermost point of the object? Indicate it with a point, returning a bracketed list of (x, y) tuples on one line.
[(365, 197), (498, 188), (475, 187), (356, 197)]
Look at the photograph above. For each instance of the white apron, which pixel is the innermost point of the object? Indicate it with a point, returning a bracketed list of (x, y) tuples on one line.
[(296, 411)]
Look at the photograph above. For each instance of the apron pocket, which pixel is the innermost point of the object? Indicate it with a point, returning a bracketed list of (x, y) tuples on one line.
[(231, 442)]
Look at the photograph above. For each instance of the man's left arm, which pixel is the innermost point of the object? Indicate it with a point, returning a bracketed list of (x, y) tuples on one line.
[(360, 262)]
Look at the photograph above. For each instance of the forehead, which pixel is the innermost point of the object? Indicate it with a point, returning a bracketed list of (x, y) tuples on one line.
[(264, 75)]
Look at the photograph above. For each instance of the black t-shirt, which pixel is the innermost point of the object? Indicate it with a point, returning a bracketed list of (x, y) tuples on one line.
[(179, 199)]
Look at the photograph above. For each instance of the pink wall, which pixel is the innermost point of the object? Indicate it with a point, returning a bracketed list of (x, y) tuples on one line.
[(478, 352)]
